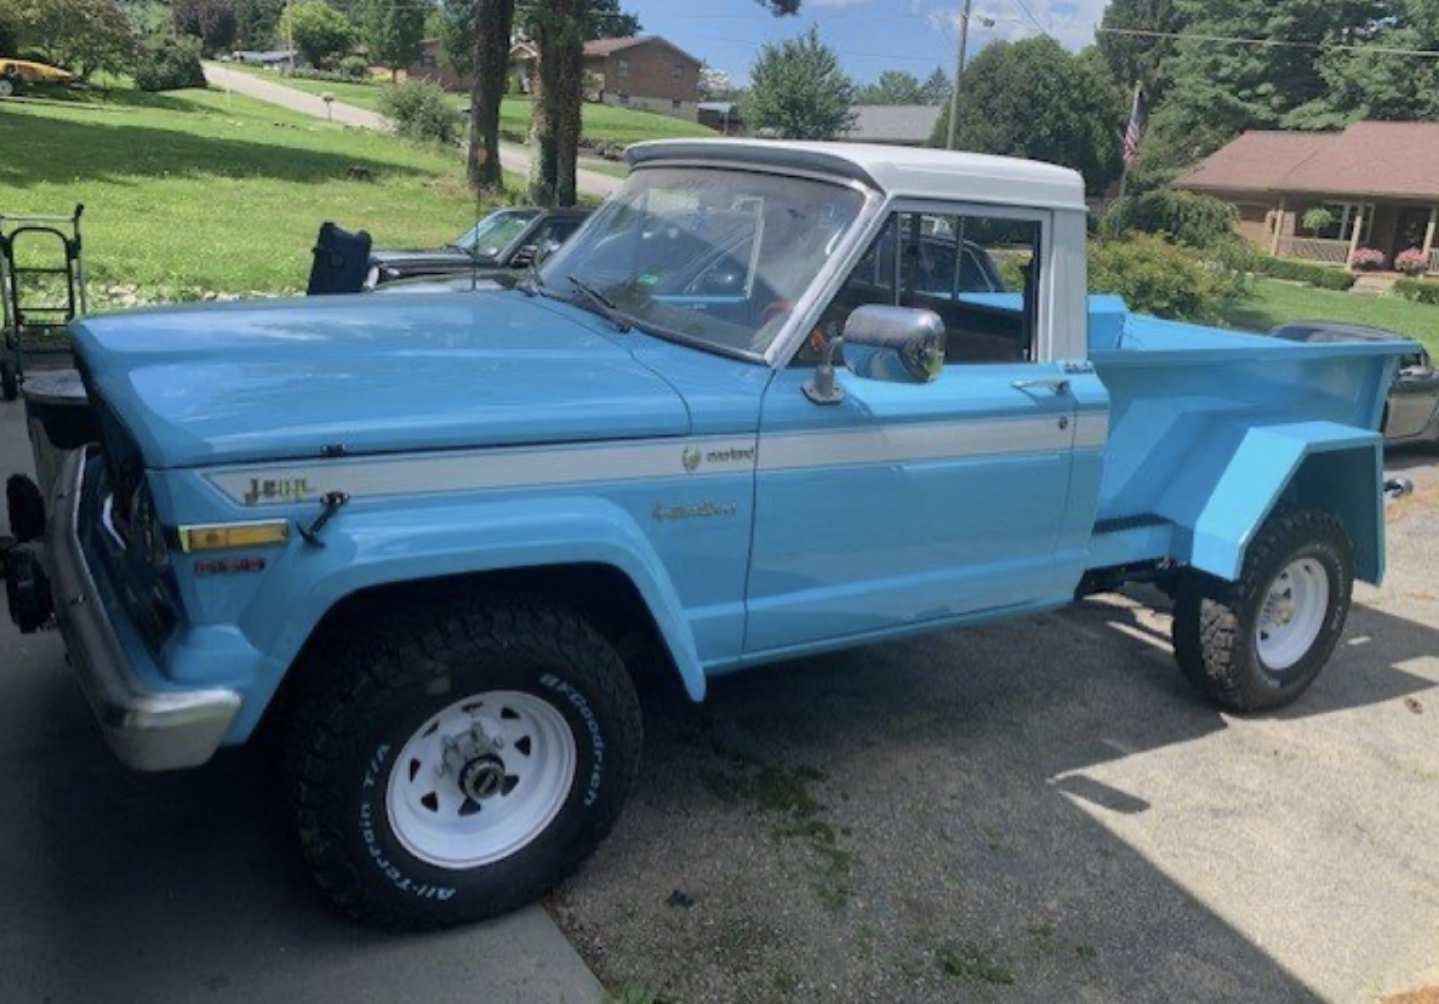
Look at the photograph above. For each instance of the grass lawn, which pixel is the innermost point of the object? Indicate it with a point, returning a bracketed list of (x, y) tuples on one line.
[(1277, 302), (602, 123), (194, 190)]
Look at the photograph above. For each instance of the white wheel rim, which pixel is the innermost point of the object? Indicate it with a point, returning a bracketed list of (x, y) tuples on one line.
[(1292, 614), (518, 757)]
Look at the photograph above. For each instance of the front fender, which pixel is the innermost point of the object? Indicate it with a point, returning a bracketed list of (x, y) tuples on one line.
[(1223, 496), (377, 546)]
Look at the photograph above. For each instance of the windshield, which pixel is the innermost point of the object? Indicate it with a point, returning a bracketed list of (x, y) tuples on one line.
[(713, 257), (493, 234)]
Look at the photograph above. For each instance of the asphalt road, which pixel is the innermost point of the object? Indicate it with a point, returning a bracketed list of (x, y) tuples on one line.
[(513, 156), (126, 887)]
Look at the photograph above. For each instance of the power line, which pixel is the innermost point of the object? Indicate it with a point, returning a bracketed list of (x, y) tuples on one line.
[(1271, 42)]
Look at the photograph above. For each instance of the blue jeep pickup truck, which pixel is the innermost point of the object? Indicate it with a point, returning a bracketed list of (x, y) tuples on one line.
[(758, 407)]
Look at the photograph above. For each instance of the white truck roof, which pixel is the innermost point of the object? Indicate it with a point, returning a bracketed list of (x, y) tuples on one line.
[(915, 172)]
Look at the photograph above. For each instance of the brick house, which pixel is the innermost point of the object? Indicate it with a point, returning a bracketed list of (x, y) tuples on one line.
[(645, 72), (1378, 181)]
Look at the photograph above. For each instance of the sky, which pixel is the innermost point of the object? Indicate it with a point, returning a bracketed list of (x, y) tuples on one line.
[(869, 36)]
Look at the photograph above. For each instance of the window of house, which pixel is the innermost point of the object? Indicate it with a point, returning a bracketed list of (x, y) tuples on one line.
[(624, 97), (675, 104), (622, 67), (677, 71), (979, 273), (1343, 216)]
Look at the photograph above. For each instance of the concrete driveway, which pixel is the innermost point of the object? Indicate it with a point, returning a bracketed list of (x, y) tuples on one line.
[(1038, 810), (1041, 810), (512, 156), (128, 887)]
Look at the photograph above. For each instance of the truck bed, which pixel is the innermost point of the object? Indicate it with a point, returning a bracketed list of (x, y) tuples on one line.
[(1195, 409)]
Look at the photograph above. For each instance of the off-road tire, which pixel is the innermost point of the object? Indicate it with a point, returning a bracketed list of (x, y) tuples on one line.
[(1215, 622), (9, 383), (363, 697)]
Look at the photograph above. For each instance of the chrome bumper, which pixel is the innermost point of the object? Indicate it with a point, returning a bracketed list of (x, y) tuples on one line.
[(149, 729)]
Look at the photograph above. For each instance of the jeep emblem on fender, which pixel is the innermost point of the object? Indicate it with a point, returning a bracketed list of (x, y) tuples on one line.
[(691, 457)]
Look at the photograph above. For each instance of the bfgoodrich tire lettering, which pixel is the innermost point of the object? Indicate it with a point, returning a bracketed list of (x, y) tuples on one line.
[(1217, 624), (362, 701)]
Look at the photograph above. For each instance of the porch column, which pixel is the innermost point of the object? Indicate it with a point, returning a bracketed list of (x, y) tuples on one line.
[(1354, 237), (1278, 229), (1429, 232)]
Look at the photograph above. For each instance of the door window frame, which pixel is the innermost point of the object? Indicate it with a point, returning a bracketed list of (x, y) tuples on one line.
[(834, 276)]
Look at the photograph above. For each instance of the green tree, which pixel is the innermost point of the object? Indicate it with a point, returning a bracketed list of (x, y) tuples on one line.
[(255, 23), (455, 27), (935, 89), (213, 22), (1217, 91), (82, 36), (1136, 57), (894, 87), (319, 31), (1375, 84), (798, 91), (1034, 99), (392, 31)]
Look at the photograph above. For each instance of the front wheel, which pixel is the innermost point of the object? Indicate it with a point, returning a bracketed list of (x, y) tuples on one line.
[(459, 761), (1260, 642)]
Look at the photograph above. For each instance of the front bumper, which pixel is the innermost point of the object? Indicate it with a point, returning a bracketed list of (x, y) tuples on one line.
[(149, 728)]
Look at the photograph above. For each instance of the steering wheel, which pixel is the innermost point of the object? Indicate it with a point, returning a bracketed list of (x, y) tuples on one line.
[(774, 309)]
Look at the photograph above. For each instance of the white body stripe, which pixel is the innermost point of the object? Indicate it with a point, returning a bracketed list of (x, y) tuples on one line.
[(914, 441), (649, 459)]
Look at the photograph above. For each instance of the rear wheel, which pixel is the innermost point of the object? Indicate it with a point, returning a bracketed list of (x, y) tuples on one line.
[(461, 759), (7, 87), (1260, 642)]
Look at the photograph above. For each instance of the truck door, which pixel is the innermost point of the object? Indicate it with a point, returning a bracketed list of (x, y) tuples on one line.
[(912, 503)]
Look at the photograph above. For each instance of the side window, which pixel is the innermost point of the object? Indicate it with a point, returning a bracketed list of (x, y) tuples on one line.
[(979, 273)]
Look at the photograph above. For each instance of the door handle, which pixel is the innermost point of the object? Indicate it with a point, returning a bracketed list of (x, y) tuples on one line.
[(1059, 385)]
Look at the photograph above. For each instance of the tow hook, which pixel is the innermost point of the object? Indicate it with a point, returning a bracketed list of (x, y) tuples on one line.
[(1396, 488)]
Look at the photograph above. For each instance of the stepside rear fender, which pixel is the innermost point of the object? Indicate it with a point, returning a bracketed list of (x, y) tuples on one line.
[(1222, 496), (379, 546)]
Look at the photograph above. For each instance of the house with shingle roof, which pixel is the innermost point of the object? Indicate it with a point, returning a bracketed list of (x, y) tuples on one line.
[(1378, 183)]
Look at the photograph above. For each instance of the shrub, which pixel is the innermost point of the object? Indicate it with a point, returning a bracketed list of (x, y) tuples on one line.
[(1299, 271), (354, 67), (1368, 260), (1411, 261), (168, 62), (418, 110), (1419, 290), (1157, 276), (1317, 219), (1200, 221)]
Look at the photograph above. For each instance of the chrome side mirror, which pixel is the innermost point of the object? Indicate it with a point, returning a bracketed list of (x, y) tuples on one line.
[(897, 344)]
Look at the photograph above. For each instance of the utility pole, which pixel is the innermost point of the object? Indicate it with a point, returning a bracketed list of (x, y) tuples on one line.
[(290, 34), (959, 72)]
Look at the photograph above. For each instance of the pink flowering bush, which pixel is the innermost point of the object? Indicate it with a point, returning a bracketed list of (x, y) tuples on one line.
[(1369, 260), (1411, 261)]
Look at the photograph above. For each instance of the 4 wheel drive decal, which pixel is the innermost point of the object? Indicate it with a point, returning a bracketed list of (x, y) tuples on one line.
[(655, 459)]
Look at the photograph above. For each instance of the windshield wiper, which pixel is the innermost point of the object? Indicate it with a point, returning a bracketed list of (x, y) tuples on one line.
[(606, 307)]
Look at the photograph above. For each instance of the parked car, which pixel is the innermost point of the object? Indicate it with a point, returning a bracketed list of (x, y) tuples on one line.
[(16, 73), (1411, 414), (427, 542), (507, 240)]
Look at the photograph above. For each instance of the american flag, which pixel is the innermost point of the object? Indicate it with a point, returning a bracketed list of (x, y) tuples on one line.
[(1137, 119)]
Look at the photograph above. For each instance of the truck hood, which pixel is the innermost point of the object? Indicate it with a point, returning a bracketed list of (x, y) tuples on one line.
[(261, 380)]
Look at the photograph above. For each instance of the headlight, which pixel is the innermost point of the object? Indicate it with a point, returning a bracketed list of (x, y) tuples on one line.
[(147, 535)]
